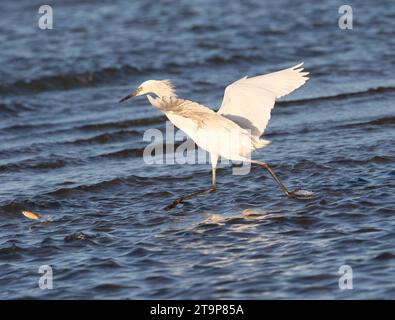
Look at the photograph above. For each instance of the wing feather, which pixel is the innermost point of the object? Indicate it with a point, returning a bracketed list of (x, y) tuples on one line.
[(249, 101)]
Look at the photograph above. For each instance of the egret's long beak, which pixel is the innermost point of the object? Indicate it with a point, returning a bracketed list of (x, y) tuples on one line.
[(133, 94)]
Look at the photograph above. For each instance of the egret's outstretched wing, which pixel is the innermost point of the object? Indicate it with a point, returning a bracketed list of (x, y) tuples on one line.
[(249, 101)]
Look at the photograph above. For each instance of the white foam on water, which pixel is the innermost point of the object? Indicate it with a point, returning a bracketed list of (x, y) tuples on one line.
[(304, 193)]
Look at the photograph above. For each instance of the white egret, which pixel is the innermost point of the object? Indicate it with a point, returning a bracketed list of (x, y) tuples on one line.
[(234, 131)]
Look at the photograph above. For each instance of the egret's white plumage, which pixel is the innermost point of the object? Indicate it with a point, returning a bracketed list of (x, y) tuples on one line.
[(211, 131), (234, 131)]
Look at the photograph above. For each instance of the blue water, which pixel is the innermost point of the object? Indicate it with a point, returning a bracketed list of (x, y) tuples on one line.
[(72, 154)]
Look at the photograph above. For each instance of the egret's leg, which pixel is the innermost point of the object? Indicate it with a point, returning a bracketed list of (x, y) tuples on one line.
[(214, 182), (264, 165), (194, 194)]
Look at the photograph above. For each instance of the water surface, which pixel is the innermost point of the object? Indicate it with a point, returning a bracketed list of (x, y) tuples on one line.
[(70, 152)]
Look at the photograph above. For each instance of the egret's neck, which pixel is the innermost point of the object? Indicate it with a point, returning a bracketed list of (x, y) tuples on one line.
[(164, 104), (152, 101), (160, 93)]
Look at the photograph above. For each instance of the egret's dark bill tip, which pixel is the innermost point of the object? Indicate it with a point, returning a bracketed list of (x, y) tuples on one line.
[(133, 94), (125, 98)]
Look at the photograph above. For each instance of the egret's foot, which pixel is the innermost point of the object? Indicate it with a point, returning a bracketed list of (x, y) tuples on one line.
[(300, 194), (173, 204), (189, 196)]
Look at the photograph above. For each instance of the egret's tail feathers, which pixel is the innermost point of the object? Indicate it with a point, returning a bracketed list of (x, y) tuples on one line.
[(259, 143)]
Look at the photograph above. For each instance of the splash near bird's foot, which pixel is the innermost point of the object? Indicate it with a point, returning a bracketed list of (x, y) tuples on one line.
[(301, 194)]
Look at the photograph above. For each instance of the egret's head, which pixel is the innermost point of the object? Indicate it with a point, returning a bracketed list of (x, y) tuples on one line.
[(162, 88)]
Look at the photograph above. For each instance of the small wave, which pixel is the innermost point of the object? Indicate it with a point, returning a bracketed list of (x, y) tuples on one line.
[(109, 287), (201, 28), (105, 138), (67, 81), (98, 187), (383, 121), (384, 256), (27, 126), (340, 96), (13, 108), (129, 181), (37, 164), (125, 153), (10, 250), (377, 122), (87, 127), (138, 152), (304, 164), (15, 207), (40, 204), (235, 58), (375, 159), (121, 124)]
